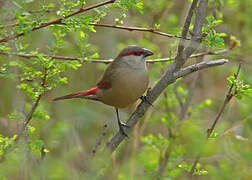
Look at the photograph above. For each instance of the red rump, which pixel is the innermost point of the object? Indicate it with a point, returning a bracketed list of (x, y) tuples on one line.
[(79, 94), (104, 85)]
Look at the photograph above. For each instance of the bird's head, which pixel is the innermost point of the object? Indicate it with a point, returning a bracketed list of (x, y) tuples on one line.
[(135, 52)]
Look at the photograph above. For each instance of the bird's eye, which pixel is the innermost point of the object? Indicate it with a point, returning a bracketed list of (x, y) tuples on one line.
[(136, 53)]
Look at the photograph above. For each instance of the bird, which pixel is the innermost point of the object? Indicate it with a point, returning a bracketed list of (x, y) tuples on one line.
[(124, 81)]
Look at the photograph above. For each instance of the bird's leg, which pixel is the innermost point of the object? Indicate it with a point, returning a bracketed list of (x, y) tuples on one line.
[(145, 99), (120, 124)]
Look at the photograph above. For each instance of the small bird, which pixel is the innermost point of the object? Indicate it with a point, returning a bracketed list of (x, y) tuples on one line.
[(124, 81)]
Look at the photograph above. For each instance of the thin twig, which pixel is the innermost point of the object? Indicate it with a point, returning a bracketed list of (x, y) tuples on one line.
[(167, 109), (237, 125), (41, 11), (129, 28), (29, 116), (56, 21), (184, 110), (68, 58), (178, 96), (163, 162), (9, 25), (99, 140), (228, 97)]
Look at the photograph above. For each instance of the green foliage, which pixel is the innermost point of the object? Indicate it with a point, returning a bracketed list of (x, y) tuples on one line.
[(213, 38), (127, 4), (6, 143), (239, 88)]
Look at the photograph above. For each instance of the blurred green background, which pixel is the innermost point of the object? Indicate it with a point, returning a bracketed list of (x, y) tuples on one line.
[(68, 130)]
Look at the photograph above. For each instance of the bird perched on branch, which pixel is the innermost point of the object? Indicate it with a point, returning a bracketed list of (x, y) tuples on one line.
[(124, 81)]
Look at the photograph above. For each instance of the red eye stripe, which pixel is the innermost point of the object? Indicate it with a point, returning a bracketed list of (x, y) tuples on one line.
[(134, 53)]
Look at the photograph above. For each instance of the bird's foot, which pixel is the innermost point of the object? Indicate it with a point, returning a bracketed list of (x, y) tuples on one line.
[(121, 126), (145, 99)]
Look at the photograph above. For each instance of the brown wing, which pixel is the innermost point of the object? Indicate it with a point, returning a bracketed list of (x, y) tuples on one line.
[(106, 81)]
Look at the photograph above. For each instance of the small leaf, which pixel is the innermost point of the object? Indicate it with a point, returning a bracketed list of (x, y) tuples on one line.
[(46, 150)]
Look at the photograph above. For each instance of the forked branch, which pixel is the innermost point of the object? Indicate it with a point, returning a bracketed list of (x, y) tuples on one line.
[(174, 70), (56, 21)]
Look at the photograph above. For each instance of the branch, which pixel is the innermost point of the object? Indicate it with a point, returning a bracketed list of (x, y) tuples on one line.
[(199, 66), (201, 54), (29, 116), (178, 96), (155, 92), (129, 28), (199, 21), (67, 58), (195, 41), (98, 141), (164, 160), (184, 110), (186, 28), (56, 21), (237, 125), (184, 105), (228, 97), (41, 11), (137, 29), (9, 25), (35, 105)]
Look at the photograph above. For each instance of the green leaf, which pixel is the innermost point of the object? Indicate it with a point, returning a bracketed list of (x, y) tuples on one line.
[(46, 150), (82, 34), (39, 144), (30, 129), (94, 56)]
